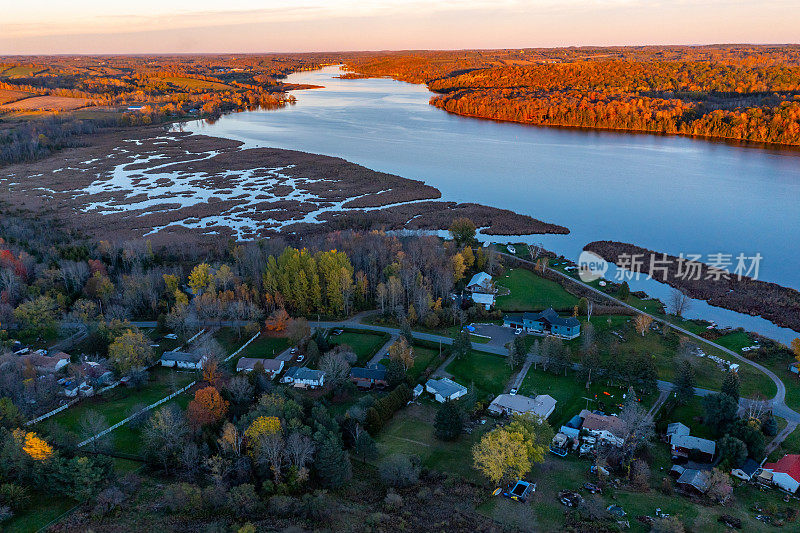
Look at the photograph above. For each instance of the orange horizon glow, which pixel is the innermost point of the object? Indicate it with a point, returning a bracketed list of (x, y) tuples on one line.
[(249, 26)]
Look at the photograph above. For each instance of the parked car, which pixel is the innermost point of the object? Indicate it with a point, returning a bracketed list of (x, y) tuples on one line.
[(293, 351), (512, 392), (570, 498), (337, 332), (592, 488), (300, 358)]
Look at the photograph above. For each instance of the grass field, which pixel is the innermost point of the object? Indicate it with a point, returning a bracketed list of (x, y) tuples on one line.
[(530, 292), (7, 96), (489, 373), (691, 415), (411, 432), (195, 84), (115, 404), (45, 103), (264, 347), (364, 344), (19, 71)]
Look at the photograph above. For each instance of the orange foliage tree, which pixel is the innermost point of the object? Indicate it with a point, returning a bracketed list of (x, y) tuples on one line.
[(278, 320), (207, 407)]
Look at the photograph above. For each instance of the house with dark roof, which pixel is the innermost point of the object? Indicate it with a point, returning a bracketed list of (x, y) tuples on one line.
[(176, 359), (746, 470), (676, 429), (548, 322), (606, 428), (373, 375), (49, 364), (686, 445), (785, 472), (508, 404), (304, 378), (272, 367)]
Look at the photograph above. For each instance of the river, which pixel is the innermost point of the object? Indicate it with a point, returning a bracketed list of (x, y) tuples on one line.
[(669, 194)]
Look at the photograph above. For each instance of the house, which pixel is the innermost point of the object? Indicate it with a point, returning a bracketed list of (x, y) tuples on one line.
[(746, 470), (676, 429), (445, 390), (607, 428), (304, 378), (482, 283), (545, 323), (785, 473), (178, 359), (272, 367), (693, 480), (506, 404), (484, 299), (49, 364), (95, 373), (684, 445), (371, 376)]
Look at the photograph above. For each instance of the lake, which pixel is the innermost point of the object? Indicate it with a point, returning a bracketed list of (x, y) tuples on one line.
[(669, 194)]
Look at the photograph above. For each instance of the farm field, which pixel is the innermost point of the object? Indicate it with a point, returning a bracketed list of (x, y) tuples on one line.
[(530, 292), (7, 96), (46, 103), (19, 71)]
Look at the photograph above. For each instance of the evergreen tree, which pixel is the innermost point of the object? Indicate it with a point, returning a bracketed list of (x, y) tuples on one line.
[(730, 385), (449, 422), (373, 421), (684, 382), (462, 344), (624, 291), (333, 463)]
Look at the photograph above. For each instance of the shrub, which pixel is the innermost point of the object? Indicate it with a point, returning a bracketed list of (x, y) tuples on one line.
[(400, 470), (14, 496), (183, 497), (282, 506), (243, 500), (393, 501)]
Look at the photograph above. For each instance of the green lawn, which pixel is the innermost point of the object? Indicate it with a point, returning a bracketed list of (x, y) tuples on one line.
[(691, 415), (264, 347), (489, 373), (790, 445), (424, 356), (192, 83), (115, 404), (530, 292), (364, 344), (411, 432)]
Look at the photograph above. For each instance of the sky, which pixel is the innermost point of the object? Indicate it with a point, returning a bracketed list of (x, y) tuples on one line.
[(180, 26)]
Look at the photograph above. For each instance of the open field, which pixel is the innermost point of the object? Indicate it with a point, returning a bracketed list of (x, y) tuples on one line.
[(411, 432), (530, 292), (45, 103), (7, 96), (264, 347), (364, 344), (19, 71)]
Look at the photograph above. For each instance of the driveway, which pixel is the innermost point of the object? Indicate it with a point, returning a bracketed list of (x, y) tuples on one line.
[(499, 336)]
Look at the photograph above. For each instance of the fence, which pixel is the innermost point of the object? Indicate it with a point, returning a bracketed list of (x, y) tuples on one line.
[(51, 413), (159, 402), (148, 408)]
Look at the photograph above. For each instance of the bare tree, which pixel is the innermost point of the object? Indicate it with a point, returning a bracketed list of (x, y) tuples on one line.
[(164, 435), (336, 368), (240, 390), (299, 450), (91, 424), (271, 452), (678, 303), (638, 426)]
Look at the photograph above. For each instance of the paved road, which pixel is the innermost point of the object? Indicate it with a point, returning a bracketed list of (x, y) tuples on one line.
[(778, 402), (780, 437), (516, 381)]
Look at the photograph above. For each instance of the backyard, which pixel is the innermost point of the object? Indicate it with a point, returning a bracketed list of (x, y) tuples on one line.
[(264, 347), (364, 343), (530, 292), (489, 373)]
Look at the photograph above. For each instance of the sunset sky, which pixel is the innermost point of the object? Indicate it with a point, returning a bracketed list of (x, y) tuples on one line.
[(153, 26)]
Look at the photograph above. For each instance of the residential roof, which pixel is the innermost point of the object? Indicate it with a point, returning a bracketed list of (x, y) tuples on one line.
[(610, 423), (541, 406), (696, 478), (376, 371), (548, 315), (788, 464), (249, 363), (482, 279), (749, 467), (186, 357), (694, 443), (303, 373), (676, 428), (445, 387), (482, 298)]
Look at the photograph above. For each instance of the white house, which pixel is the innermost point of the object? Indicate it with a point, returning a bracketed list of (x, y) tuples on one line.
[(445, 390), (176, 359), (304, 378), (505, 404), (786, 472)]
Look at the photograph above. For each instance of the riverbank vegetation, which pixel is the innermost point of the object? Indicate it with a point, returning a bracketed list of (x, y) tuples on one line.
[(748, 93)]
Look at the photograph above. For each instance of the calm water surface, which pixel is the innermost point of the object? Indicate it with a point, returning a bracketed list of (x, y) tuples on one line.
[(669, 194)]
